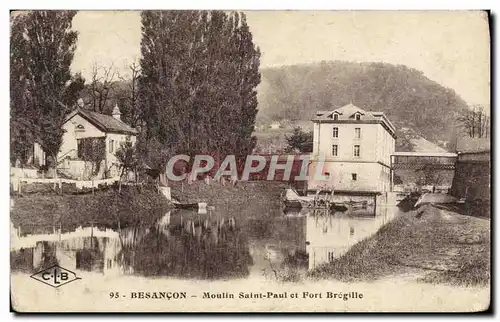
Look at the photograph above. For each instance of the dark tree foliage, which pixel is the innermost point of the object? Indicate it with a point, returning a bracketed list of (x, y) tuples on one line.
[(127, 156), (92, 150), (197, 91), (42, 87), (192, 250), (300, 141)]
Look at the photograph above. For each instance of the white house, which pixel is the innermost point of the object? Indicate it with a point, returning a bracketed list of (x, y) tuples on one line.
[(90, 130), (356, 147)]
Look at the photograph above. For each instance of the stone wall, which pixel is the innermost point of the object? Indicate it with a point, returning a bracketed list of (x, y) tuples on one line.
[(472, 177)]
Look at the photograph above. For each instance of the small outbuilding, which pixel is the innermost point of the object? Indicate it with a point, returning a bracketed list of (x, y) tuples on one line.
[(90, 142)]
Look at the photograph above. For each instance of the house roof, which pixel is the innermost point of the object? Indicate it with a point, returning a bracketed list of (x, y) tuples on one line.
[(103, 122), (349, 110), (347, 114)]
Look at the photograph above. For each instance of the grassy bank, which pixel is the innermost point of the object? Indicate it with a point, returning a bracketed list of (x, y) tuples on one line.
[(35, 213), (442, 246), (256, 197), (38, 212)]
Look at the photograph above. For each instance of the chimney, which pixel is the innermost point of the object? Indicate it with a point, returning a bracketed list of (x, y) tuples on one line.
[(80, 103), (116, 112)]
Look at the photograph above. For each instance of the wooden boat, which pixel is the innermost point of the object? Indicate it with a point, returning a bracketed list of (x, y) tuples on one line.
[(190, 206), (291, 199), (186, 206)]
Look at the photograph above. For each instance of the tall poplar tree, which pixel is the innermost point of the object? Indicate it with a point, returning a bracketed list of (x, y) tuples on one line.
[(200, 71), (22, 130), (42, 89)]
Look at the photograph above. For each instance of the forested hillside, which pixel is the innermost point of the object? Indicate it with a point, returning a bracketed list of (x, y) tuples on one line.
[(414, 103)]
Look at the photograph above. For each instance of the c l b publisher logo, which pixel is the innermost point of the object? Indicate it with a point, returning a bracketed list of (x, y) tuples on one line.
[(55, 276)]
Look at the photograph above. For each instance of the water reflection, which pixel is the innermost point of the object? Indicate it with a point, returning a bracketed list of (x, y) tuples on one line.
[(329, 237), (181, 244), (190, 245), (213, 245)]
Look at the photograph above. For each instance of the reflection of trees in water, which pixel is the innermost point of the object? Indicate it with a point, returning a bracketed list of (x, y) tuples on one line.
[(89, 257), (47, 255), (191, 249)]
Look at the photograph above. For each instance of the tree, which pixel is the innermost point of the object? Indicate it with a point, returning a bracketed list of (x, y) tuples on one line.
[(235, 70), (100, 87), (127, 156), (197, 92), (300, 141), (154, 155), (42, 87), (93, 151), (22, 128), (475, 122), (129, 101), (429, 176)]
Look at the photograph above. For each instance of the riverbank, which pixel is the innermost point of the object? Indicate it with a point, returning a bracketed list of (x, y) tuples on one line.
[(245, 197), (37, 213), (437, 245)]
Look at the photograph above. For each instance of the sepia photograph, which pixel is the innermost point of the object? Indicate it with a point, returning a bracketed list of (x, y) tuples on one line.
[(250, 161)]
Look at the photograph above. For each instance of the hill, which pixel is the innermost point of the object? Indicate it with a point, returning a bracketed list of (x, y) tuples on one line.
[(410, 99)]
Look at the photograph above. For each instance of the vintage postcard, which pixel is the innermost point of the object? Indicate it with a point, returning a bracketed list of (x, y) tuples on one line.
[(250, 161)]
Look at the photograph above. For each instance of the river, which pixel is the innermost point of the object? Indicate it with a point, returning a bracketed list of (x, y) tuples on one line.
[(222, 255), (217, 244)]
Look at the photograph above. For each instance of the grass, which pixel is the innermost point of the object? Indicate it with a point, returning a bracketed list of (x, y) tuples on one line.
[(36, 213), (246, 198), (443, 246), (475, 271), (39, 212)]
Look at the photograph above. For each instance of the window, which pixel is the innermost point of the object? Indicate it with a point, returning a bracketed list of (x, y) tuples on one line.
[(111, 146), (354, 176), (356, 151), (357, 133), (335, 132), (331, 257), (79, 148), (335, 117), (335, 149), (358, 116)]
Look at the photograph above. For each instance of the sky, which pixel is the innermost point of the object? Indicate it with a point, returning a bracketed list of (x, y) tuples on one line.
[(449, 47)]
